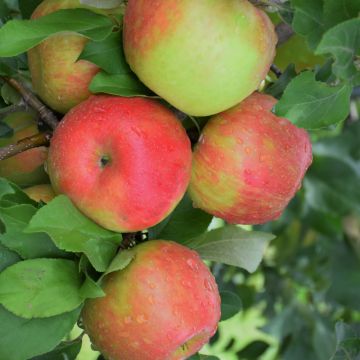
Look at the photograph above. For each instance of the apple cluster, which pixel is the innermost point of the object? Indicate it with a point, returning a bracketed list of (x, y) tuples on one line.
[(127, 162)]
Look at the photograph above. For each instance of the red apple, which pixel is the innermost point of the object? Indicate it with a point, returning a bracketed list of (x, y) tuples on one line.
[(202, 56), (124, 162), (249, 163), (39, 193), (58, 77), (164, 305), (26, 168)]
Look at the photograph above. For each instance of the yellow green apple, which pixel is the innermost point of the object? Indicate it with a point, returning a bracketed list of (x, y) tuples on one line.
[(201, 56), (58, 77)]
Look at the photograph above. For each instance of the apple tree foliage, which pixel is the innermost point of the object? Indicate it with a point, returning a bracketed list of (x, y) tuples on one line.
[(290, 289)]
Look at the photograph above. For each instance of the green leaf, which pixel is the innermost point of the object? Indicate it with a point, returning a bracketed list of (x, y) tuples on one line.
[(28, 246), (67, 350), (125, 84), (344, 279), (90, 289), (7, 257), (121, 261), (102, 4), (311, 104), (337, 11), (324, 184), (27, 7), (343, 42), (184, 223), (75, 232), (5, 130), (348, 342), (253, 350), (18, 36), (276, 89), (308, 20), (233, 246), (107, 54), (40, 287), (12, 194), (203, 357), (10, 95), (230, 304), (22, 339)]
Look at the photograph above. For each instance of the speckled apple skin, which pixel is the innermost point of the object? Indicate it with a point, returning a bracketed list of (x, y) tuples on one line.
[(202, 56), (249, 163), (26, 168), (164, 298), (58, 77), (149, 168)]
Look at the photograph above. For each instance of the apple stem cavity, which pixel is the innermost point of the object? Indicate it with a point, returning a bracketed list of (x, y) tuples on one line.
[(104, 161)]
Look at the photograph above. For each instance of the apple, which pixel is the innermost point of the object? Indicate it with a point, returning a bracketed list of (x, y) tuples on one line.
[(58, 77), (249, 163), (26, 168), (164, 305), (201, 56), (43, 192), (124, 162)]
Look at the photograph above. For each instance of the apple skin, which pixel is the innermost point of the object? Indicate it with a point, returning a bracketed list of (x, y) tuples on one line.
[(249, 163), (164, 298), (58, 77), (149, 164), (26, 168), (201, 56), (43, 192)]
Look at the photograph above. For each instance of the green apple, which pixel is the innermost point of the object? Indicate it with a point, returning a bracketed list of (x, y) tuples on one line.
[(43, 192), (249, 163), (26, 168), (164, 305), (124, 162), (201, 56), (58, 77)]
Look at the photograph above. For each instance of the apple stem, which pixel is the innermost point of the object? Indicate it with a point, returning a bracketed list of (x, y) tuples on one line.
[(276, 70), (45, 113), (30, 142)]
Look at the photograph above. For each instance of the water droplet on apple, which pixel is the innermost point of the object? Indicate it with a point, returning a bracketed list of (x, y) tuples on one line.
[(99, 109), (140, 319), (186, 283), (192, 264), (208, 285)]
